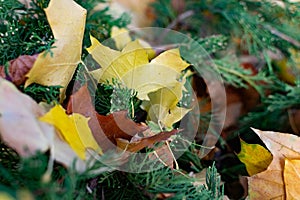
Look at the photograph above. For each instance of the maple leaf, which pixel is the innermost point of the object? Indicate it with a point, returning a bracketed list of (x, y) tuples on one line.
[(275, 182), (132, 67), (21, 130), (18, 68), (121, 36), (67, 21), (105, 129), (255, 157)]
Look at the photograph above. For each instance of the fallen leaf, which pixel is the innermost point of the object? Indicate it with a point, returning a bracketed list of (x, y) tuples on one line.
[(292, 178), (121, 36), (19, 127), (74, 130), (138, 144), (21, 130), (18, 68), (58, 69), (162, 107), (104, 128), (132, 68), (270, 184), (255, 157)]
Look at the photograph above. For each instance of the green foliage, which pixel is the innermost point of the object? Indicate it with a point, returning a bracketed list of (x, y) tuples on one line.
[(42, 93), (23, 31)]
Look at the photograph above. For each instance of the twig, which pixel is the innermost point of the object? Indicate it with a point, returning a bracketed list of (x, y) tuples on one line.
[(283, 36), (180, 18)]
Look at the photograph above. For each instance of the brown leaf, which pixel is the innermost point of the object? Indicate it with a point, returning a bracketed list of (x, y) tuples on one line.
[(105, 129), (18, 68), (134, 146)]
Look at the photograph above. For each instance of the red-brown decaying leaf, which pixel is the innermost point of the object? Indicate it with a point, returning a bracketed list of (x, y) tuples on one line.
[(104, 128), (144, 142), (18, 68)]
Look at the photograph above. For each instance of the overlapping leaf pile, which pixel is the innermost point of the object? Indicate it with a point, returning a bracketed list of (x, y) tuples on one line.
[(71, 131), (275, 178)]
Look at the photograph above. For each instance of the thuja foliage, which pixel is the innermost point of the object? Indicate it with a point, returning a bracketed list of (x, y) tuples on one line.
[(261, 51), (24, 30), (261, 34), (27, 176)]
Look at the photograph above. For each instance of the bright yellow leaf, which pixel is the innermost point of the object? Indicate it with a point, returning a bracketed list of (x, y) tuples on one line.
[(73, 128), (67, 21), (255, 157)]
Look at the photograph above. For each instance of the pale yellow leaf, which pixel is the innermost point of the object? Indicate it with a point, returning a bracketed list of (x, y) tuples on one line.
[(292, 178), (115, 64), (172, 59), (162, 107), (255, 157), (67, 21), (121, 36), (74, 130)]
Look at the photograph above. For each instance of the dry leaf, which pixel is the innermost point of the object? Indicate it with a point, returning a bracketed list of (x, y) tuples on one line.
[(19, 127), (292, 178), (67, 21), (74, 130), (270, 184), (134, 146), (121, 36), (18, 68), (104, 128), (6, 196), (132, 67), (21, 130), (162, 107), (255, 157)]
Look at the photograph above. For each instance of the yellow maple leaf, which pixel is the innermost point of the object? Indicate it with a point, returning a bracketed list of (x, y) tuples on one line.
[(67, 22), (132, 67), (74, 130), (255, 157)]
